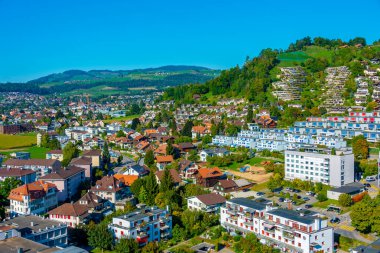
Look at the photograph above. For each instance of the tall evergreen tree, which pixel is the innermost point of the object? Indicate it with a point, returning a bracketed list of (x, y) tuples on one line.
[(167, 183), (186, 131), (106, 157)]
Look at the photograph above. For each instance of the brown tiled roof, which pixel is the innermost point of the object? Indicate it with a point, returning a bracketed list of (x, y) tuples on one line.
[(227, 183), (108, 184), (161, 149), (186, 145), (92, 199), (81, 161), (95, 152), (63, 173), (15, 172), (164, 159), (56, 152), (211, 199), (184, 164), (175, 176), (70, 209), (36, 162), (127, 179)]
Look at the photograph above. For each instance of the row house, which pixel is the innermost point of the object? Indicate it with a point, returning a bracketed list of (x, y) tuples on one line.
[(147, 224), (287, 230), (34, 198), (42, 167)]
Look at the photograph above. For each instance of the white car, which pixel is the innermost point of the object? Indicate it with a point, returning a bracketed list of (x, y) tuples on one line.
[(287, 200)]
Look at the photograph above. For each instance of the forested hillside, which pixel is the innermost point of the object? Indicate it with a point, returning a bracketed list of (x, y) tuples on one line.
[(254, 79), (107, 81)]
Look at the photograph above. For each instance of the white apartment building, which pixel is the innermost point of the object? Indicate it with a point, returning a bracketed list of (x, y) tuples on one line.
[(320, 166), (148, 224), (34, 198), (285, 229)]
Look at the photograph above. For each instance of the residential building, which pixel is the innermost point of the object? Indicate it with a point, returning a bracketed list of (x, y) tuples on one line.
[(95, 155), (174, 175), (320, 165), (34, 198), (40, 166), (285, 229), (208, 177), (40, 230), (147, 224), (89, 207), (111, 189), (163, 161), (137, 170), (212, 153), (27, 176), (84, 162), (67, 181), (55, 154), (187, 169), (225, 186), (209, 203)]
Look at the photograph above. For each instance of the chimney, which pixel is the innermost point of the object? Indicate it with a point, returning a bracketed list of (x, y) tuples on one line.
[(20, 250), (31, 223)]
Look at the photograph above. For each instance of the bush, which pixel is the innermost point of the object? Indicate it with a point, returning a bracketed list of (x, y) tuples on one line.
[(322, 197), (345, 200)]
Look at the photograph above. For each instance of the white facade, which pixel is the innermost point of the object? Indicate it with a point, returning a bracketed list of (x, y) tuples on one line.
[(335, 170), (146, 225), (282, 228)]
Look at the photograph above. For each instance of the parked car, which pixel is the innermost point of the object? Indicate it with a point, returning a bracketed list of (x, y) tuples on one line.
[(277, 190), (370, 178), (296, 190), (260, 194), (306, 198), (367, 185), (310, 193), (308, 206), (288, 189), (299, 209), (281, 199), (335, 220)]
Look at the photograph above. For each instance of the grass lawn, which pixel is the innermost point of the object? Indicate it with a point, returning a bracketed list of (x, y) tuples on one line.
[(121, 118), (374, 151), (288, 59), (346, 243), (8, 141), (35, 152), (260, 187), (326, 203)]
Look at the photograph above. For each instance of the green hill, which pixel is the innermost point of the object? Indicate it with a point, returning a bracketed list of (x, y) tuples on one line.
[(98, 82)]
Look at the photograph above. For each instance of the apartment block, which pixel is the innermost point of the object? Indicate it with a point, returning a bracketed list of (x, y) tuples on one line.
[(147, 224), (320, 165), (287, 230)]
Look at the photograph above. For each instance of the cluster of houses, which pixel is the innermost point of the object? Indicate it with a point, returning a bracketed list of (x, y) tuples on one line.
[(289, 86)]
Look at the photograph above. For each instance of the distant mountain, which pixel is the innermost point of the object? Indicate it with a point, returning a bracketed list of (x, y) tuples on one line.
[(114, 82)]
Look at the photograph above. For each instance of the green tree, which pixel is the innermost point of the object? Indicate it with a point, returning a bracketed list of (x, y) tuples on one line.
[(186, 131), (106, 157), (100, 237), (166, 182), (143, 195), (135, 123), (120, 133), (345, 200), (361, 216), (126, 245), (249, 114), (6, 186), (151, 247), (149, 158), (179, 234), (70, 151), (360, 147), (321, 197), (151, 188)]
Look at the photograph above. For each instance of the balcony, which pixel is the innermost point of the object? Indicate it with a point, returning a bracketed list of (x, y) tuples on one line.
[(288, 235)]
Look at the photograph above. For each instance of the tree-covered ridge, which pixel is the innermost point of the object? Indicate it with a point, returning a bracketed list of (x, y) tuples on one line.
[(253, 80), (122, 80)]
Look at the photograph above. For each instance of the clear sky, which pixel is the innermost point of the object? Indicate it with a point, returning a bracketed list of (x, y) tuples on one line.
[(38, 37)]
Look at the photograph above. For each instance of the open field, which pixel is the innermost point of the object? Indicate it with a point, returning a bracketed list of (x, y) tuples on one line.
[(120, 119), (35, 152), (17, 141), (254, 161), (256, 174)]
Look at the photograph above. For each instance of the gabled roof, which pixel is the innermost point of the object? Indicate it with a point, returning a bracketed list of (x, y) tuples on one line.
[(227, 183), (34, 190), (63, 173), (35, 162), (15, 172), (108, 184), (127, 179), (139, 169), (81, 161), (94, 152), (210, 173), (174, 174), (165, 159), (211, 199), (55, 152), (69, 209)]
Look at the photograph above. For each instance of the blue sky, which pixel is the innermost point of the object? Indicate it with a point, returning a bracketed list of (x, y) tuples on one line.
[(38, 37)]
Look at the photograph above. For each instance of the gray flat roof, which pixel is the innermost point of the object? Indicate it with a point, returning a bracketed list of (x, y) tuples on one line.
[(23, 223), (292, 215), (11, 245), (248, 203)]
